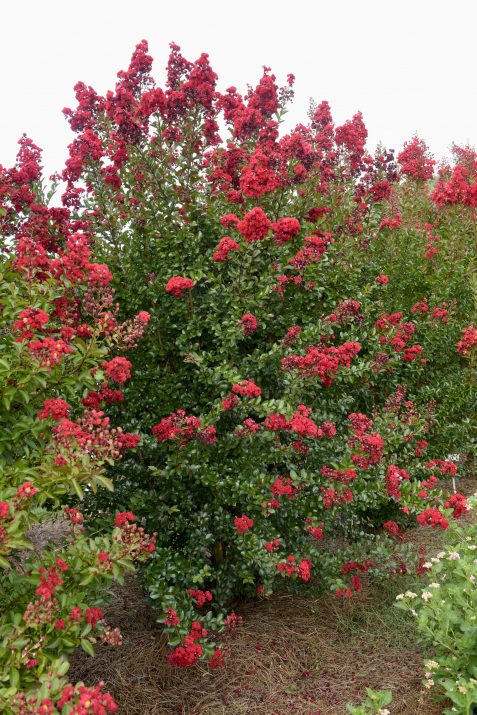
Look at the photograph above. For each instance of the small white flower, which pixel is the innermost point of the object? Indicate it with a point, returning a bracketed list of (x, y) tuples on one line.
[(427, 565), (462, 689), (429, 684), (434, 585), (384, 711), (441, 554), (454, 556), (431, 664), (472, 579), (410, 594), (434, 560), (472, 547), (414, 613), (426, 595), (399, 597)]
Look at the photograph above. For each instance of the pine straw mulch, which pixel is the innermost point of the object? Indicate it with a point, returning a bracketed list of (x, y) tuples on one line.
[(294, 655)]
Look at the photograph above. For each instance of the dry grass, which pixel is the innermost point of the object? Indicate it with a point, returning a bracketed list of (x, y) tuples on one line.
[(294, 655)]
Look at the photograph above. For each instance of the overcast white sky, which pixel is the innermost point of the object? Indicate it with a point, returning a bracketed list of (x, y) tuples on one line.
[(409, 66)]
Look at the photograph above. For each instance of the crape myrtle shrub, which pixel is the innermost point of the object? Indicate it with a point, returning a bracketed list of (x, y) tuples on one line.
[(60, 337), (305, 368)]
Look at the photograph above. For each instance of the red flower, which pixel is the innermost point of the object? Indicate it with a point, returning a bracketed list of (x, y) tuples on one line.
[(32, 318), (171, 619), (416, 161), (228, 403), (93, 615), (315, 531), (285, 229), (26, 491), (271, 546), (178, 285), (243, 523), (226, 245), (382, 279), (392, 529), (247, 388), (248, 322), (433, 517), (254, 225), (469, 339), (144, 317), (54, 408), (123, 518), (200, 596), (118, 369), (458, 503)]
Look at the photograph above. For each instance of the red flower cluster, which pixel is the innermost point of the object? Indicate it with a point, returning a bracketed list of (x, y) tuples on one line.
[(301, 423), (248, 428), (316, 531), (124, 517), (322, 361), (393, 529), (49, 351), (226, 245), (415, 160), (257, 177), (177, 285), (394, 477), (292, 335), (118, 369), (247, 388), (171, 619), (248, 322), (80, 700), (272, 546), (291, 568), (254, 226), (228, 403), (345, 310), (370, 446), (332, 497), (243, 523), (458, 503), (468, 340), (54, 408), (391, 223), (445, 468), (217, 659), (201, 597), (433, 517), (90, 434), (345, 476), (189, 653), (315, 247), (181, 427), (283, 487), (285, 229), (457, 185), (29, 320)]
